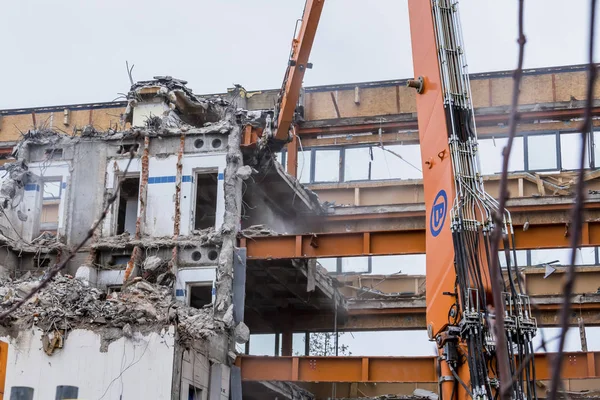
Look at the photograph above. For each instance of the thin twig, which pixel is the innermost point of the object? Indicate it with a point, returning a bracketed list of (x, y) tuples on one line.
[(52, 272), (577, 212), (129, 71), (495, 275)]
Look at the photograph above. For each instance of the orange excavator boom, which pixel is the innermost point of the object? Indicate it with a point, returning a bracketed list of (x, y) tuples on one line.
[(297, 66)]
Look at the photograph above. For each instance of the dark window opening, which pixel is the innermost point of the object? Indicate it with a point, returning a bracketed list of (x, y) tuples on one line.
[(128, 205), (194, 393), (66, 392), (119, 259), (53, 154), (21, 393), (206, 200), (127, 148), (200, 296), (42, 262)]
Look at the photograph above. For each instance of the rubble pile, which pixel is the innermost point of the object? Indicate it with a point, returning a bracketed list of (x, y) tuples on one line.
[(257, 231), (186, 107), (205, 237), (68, 303)]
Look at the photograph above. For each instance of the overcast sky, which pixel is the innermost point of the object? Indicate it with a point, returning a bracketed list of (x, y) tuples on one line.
[(73, 51)]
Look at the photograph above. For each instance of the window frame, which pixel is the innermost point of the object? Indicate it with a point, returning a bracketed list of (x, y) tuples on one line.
[(525, 135)]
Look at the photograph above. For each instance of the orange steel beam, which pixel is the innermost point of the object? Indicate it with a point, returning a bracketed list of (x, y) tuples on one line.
[(486, 119), (338, 369), (577, 365), (420, 210), (301, 47), (395, 242)]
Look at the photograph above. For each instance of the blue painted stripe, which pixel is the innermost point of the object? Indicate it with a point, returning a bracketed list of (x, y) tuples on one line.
[(32, 186), (180, 292), (173, 178), (161, 179)]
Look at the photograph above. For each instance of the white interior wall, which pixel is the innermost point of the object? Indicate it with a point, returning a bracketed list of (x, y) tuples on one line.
[(136, 368), (145, 110), (160, 201)]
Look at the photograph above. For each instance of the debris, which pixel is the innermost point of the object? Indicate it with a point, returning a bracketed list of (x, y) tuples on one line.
[(425, 393), (242, 333), (245, 172), (127, 331), (228, 316), (52, 341), (257, 230), (68, 303)]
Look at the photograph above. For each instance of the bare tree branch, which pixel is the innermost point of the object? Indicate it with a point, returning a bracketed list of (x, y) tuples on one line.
[(495, 274), (577, 211), (52, 272)]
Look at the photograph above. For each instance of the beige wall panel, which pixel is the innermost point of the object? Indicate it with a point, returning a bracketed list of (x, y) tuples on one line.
[(570, 84), (536, 89), (480, 90), (373, 101), (318, 105), (501, 91), (408, 99)]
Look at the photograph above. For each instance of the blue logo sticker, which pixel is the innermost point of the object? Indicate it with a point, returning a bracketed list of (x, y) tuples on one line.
[(438, 213)]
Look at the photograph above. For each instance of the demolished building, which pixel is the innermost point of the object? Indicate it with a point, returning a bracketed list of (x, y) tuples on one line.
[(169, 191), (356, 149)]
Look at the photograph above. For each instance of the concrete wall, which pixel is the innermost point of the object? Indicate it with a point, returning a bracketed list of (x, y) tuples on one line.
[(136, 368)]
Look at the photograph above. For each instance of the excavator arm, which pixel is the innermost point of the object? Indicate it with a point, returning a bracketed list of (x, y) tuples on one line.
[(297, 66), (460, 310)]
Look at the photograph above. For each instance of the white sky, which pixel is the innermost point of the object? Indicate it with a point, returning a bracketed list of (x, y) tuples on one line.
[(416, 343), (72, 51)]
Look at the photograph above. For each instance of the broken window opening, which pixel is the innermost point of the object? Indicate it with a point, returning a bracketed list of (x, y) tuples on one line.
[(206, 200), (128, 205), (53, 154), (42, 262), (200, 295), (127, 148), (51, 194), (194, 393), (119, 259)]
